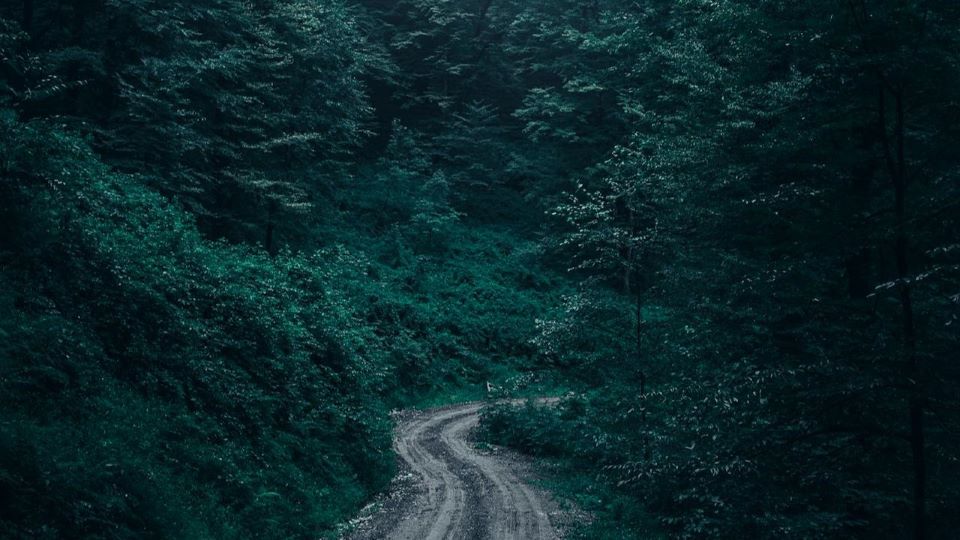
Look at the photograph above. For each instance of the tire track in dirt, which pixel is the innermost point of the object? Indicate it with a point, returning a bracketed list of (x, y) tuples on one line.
[(451, 491)]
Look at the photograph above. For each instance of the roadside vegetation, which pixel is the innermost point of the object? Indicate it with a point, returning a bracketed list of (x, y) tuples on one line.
[(235, 234)]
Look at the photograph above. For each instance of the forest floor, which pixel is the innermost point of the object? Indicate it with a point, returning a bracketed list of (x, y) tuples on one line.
[(448, 488)]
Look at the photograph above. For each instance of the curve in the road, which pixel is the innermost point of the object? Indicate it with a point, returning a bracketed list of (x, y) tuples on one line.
[(459, 493)]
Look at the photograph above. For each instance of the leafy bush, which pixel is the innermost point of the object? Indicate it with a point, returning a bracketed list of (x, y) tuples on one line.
[(156, 384)]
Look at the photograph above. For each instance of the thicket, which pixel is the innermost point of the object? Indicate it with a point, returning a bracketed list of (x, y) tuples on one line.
[(213, 291), (236, 233), (771, 254)]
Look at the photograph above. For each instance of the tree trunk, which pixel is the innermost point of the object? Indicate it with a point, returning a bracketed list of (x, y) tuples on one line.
[(638, 351), (484, 8), (896, 165), (268, 241), (639, 341), (633, 284), (27, 20)]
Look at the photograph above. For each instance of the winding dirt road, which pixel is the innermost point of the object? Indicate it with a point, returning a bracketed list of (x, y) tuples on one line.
[(449, 490)]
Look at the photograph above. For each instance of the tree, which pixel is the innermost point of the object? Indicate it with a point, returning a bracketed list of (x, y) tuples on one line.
[(756, 148), (218, 104)]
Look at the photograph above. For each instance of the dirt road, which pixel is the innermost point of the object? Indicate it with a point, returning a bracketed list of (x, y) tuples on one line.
[(449, 490)]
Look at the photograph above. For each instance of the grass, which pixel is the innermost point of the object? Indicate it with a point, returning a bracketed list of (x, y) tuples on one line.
[(505, 382), (577, 481), (577, 487)]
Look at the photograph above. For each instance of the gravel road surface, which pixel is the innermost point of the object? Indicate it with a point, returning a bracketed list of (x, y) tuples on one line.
[(447, 489)]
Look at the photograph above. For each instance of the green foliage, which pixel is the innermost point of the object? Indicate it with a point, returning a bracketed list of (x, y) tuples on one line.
[(575, 451), (220, 105), (752, 213), (235, 233), (158, 384)]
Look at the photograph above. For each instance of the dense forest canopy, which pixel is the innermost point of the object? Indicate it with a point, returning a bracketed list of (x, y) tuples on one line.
[(235, 234)]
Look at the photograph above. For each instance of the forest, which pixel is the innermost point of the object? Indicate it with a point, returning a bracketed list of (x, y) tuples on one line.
[(236, 234)]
